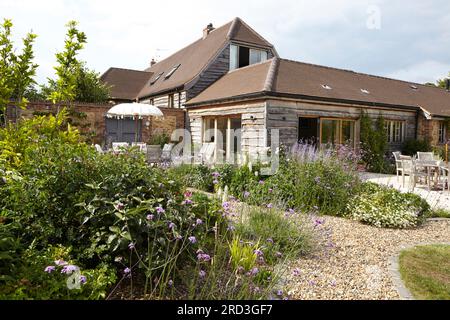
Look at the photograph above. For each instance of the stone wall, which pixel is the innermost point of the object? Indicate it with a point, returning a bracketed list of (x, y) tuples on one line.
[(428, 129), (90, 119)]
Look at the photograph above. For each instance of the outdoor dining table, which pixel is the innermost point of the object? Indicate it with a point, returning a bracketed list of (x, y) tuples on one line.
[(429, 165)]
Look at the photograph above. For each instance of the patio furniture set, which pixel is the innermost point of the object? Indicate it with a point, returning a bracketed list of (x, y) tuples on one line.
[(423, 167), (169, 153)]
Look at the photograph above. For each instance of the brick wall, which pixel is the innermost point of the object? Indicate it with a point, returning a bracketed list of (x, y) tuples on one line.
[(429, 130), (90, 118)]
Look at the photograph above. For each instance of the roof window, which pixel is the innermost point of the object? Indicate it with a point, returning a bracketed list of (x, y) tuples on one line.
[(156, 79), (365, 91), (172, 71), (413, 87), (325, 86)]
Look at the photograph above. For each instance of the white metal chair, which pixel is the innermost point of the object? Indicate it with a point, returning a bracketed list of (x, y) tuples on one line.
[(119, 146), (425, 156), (398, 163), (98, 148), (141, 145), (166, 153)]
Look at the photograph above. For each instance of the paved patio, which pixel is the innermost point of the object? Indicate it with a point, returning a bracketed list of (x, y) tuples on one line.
[(436, 199)]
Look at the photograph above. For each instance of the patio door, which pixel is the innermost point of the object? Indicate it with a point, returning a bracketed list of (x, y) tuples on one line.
[(123, 130)]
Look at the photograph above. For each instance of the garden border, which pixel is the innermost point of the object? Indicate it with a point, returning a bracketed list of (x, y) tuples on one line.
[(394, 271)]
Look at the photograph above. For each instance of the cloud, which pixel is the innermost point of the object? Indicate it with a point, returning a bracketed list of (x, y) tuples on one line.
[(334, 33)]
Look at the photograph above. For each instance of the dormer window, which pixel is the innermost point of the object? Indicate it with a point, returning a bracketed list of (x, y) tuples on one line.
[(365, 91), (172, 71), (327, 87), (156, 79), (241, 56)]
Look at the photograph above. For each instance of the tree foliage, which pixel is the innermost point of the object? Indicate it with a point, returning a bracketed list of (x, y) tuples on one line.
[(17, 70)]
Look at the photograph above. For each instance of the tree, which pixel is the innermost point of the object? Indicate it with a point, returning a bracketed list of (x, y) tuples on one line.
[(64, 87), (441, 83), (75, 82), (17, 71)]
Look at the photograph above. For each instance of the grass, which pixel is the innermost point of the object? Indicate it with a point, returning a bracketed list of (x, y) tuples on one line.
[(425, 271), (440, 213)]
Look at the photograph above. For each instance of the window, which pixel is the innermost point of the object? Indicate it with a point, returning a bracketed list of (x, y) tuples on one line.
[(395, 131), (171, 101), (442, 129), (365, 91), (325, 86), (172, 71), (337, 131), (241, 56), (152, 101), (156, 79)]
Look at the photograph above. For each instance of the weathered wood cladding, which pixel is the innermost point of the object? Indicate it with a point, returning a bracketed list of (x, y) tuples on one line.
[(215, 70), (162, 101), (253, 133), (284, 114)]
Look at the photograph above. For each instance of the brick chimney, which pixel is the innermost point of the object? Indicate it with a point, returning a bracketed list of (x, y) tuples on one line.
[(207, 30), (152, 62)]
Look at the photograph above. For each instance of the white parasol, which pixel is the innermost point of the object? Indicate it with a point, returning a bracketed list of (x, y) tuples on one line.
[(135, 110)]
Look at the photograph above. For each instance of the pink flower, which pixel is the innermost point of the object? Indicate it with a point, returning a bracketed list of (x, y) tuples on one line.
[(49, 269)]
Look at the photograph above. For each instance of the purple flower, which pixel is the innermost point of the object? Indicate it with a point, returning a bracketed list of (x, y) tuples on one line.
[(226, 205), (83, 279), (49, 269), (187, 201), (279, 293), (170, 283), (215, 181), (291, 211), (192, 239), (318, 221), (215, 174), (261, 182), (171, 225), (202, 274), (296, 272), (119, 206), (198, 222), (246, 194), (254, 271), (270, 240), (278, 254), (258, 252), (60, 262), (127, 270), (150, 217), (160, 209), (269, 205), (203, 257), (68, 269), (188, 194), (131, 246), (231, 227), (270, 190)]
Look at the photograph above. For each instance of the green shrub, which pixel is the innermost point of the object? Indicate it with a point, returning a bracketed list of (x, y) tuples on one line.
[(159, 139), (194, 176), (412, 146), (387, 207), (374, 144)]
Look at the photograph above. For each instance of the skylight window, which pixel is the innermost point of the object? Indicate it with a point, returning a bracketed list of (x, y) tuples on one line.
[(156, 79), (325, 86), (413, 87), (365, 91), (172, 71)]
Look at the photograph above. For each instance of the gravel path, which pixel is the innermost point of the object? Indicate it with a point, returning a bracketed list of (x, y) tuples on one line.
[(353, 259)]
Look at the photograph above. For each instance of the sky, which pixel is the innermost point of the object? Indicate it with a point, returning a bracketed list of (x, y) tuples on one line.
[(407, 40)]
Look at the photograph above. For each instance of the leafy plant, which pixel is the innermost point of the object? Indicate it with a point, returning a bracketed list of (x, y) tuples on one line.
[(411, 147), (159, 139), (374, 143), (243, 254), (387, 207)]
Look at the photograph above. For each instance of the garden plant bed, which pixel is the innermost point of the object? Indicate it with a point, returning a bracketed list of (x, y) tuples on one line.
[(354, 263)]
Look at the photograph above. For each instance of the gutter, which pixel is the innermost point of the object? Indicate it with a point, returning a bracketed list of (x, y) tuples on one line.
[(271, 94)]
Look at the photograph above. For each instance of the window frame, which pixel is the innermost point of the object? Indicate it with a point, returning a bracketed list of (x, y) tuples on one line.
[(339, 133), (442, 132), (171, 101), (395, 134), (234, 54)]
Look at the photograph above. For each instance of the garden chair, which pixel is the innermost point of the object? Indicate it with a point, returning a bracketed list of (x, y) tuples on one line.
[(99, 148), (206, 153), (166, 154), (141, 145), (398, 163), (444, 177), (119, 147), (425, 156)]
